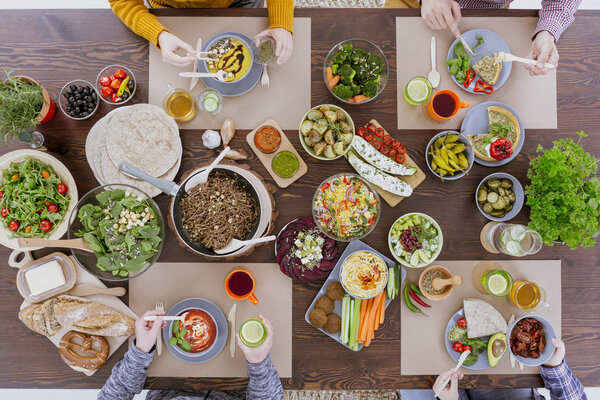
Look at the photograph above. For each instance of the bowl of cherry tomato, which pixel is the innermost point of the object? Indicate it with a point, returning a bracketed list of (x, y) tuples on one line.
[(116, 84)]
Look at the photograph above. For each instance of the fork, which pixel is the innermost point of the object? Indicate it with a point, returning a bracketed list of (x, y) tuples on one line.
[(264, 79), (159, 307)]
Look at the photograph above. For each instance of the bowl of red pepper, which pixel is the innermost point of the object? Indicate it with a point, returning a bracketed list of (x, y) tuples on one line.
[(116, 84)]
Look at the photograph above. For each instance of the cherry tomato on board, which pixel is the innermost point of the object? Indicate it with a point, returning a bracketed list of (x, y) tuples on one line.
[(62, 188), (4, 212), (458, 347), (369, 137), (45, 225), (52, 208), (14, 226), (467, 347), (379, 132), (387, 139), (400, 158), (371, 128), (377, 145), (462, 322)]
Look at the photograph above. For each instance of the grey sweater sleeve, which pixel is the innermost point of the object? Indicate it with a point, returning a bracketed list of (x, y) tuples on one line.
[(128, 376), (264, 382)]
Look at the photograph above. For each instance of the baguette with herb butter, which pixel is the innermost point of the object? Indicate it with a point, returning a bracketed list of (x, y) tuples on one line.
[(378, 160), (387, 182)]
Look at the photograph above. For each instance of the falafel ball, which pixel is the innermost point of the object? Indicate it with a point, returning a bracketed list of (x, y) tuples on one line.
[(333, 324), (317, 318), (324, 303), (335, 291)]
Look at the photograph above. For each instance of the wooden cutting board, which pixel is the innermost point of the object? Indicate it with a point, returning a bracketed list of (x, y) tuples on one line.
[(413, 180)]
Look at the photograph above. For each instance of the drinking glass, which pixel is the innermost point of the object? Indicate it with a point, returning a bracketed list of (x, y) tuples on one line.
[(528, 296), (511, 239)]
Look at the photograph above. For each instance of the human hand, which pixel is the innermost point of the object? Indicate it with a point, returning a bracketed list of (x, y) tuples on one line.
[(169, 44), (559, 354), (256, 355), (448, 392), (146, 332), (441, 14), (543, 49), (283, 43)]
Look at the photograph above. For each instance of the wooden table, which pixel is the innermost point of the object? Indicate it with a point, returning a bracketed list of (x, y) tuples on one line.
[(57, 46)]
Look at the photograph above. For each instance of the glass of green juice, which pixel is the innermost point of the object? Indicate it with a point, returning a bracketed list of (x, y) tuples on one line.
[(497, 282), (417, 91), (253, 332)]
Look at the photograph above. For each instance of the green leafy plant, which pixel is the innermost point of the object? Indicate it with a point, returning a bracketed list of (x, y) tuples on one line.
[(20, 104), (564, 194), (178, 339)]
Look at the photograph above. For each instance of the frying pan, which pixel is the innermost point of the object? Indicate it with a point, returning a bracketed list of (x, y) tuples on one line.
[(178, 191)]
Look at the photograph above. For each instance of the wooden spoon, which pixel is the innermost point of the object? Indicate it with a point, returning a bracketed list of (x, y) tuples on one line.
[(78, 243), (439, 283), (83, 289)]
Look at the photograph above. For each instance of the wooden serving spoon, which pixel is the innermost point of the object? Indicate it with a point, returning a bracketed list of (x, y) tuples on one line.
[(83, 289), (78, 243), (439, 283)]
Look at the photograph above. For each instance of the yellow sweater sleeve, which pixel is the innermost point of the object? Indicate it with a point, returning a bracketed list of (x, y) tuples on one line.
[(281, 14), (136, 16)]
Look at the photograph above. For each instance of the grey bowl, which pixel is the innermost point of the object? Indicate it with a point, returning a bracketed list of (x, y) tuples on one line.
[(517, 189), (468, 152), (548, 350), (369, 47)]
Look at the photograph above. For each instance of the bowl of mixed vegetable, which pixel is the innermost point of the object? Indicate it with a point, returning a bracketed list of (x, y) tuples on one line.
[(123, 226), (346, 207), (415, 240), (355, 71), (36, 193)]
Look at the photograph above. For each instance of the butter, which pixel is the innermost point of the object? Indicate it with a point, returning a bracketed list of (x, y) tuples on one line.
[(45, 278)]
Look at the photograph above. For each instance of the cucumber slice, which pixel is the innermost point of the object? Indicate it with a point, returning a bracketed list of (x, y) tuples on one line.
[(210, 104), (211, 96)]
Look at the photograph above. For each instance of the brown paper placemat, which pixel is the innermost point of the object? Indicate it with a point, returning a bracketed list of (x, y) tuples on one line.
[(287, 98), (423, 350), (173, 282), (533, 98), (267, 159)]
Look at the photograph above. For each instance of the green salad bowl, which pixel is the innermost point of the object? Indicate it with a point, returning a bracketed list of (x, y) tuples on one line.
[(92, 261)]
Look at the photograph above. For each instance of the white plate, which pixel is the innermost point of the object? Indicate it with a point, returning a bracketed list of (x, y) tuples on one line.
[(64, 174)]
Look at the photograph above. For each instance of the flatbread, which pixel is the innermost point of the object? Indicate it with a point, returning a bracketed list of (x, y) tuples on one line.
[(91, 152), (483, 319), (144, 136)]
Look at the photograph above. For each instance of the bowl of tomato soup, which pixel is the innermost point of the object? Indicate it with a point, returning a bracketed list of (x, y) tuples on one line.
[(201, 331)]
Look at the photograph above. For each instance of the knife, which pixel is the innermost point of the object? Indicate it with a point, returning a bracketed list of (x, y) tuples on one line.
[(511, 357), (195, 80), (464, 42), (231, 319)]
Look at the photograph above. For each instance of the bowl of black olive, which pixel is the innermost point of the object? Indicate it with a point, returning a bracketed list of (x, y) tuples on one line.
[(78, 99)]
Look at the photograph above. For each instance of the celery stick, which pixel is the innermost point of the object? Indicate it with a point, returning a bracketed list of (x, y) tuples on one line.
[(398, 278), (355, 324), (350, 310), (344, 319)]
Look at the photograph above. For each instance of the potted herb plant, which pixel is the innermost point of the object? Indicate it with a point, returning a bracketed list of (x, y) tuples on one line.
[(24, 103), (564, 194)]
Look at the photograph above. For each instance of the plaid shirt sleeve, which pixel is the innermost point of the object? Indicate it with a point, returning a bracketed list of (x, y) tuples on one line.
[(561, 383), (556, 16)]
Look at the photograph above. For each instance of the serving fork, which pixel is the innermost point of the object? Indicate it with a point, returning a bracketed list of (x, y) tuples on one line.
[(264, 79), (159, 307)]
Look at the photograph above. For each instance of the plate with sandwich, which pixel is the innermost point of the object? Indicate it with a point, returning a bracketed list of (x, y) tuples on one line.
[(495, 131), (487, 72), (480, 328)]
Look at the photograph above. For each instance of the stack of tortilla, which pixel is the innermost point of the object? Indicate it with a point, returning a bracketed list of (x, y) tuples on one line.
[(142, 135)]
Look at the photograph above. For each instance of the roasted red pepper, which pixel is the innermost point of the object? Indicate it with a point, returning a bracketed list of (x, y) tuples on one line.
[(501, 149), (469, 78), (482, 87)]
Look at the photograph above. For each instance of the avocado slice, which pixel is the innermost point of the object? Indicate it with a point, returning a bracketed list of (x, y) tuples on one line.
[(496, 348)]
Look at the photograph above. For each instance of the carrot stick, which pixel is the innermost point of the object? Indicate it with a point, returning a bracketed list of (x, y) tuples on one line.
[(371, 318), (365, 325), (359, 98), (328, 74), (377, 318), (382, 314), (350, 100), (334, 81)]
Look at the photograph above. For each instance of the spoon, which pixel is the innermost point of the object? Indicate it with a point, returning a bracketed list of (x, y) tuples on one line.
[(202, 177), (461, 360), (78, 243), (219, 75), (439, 283), (235, 244), (433, 76)]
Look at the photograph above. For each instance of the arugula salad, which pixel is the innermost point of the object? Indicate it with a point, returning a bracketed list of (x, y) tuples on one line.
[(33, 199), (122, 229)]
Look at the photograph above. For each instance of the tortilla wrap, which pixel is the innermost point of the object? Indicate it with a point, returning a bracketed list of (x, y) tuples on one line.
[(483, 319)]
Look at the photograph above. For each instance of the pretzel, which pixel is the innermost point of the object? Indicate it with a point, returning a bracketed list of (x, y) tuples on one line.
[(83, 356)]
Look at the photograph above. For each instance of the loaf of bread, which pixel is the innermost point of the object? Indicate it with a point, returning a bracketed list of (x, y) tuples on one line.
[(78, 314)]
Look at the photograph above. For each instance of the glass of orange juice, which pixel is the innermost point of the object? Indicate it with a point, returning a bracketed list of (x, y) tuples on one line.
[(528, 296)]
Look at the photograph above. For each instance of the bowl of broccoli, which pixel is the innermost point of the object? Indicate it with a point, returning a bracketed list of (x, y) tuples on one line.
[(355, 71)]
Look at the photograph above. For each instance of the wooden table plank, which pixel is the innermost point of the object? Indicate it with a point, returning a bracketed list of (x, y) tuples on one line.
[(55, 46)]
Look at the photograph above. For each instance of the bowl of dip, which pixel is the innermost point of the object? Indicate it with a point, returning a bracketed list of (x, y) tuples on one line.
[(363, 274), (285, 164)]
